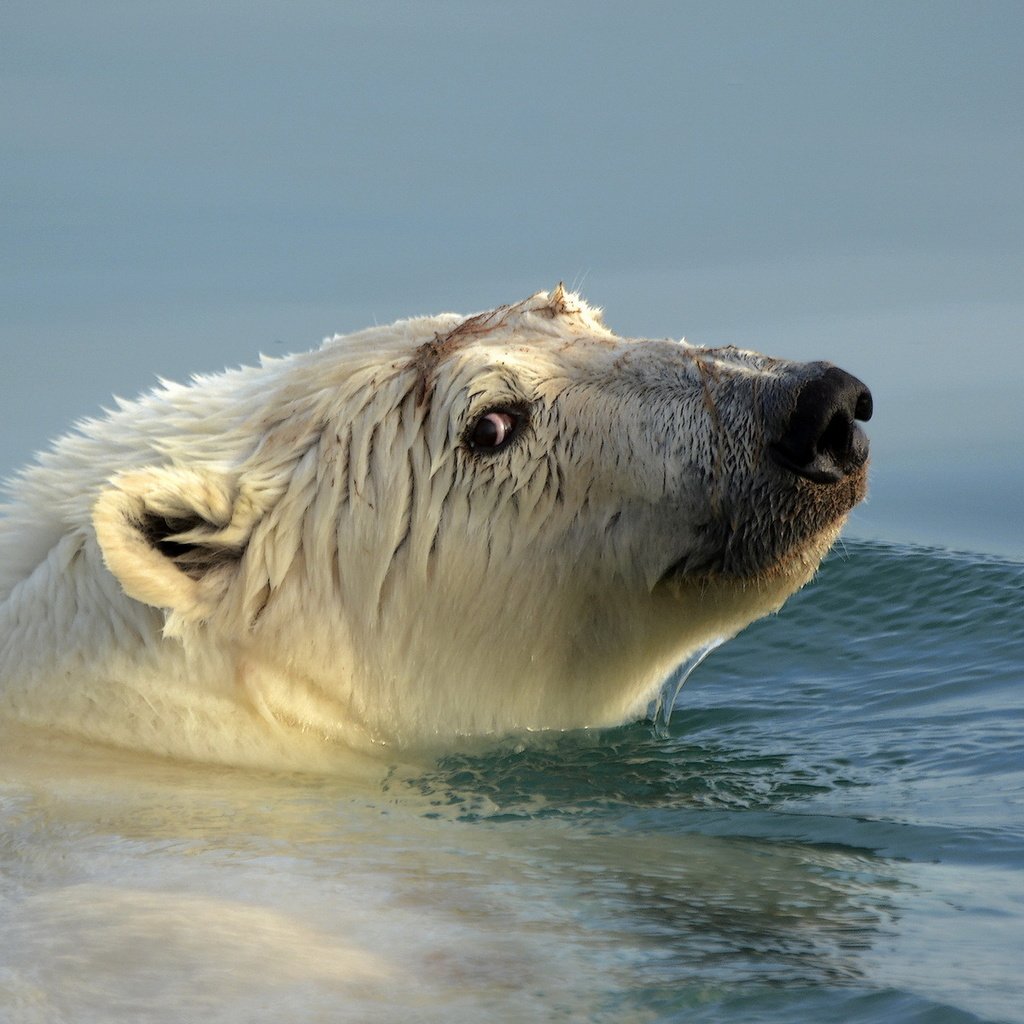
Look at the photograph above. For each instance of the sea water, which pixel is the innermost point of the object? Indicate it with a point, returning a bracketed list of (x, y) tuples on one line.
[(830, 826)]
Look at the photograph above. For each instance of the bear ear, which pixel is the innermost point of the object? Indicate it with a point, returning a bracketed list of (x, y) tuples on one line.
[(173, 537)]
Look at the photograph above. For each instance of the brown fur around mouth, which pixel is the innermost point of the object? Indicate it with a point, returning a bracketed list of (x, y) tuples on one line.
[(766, 536), (813, 511)]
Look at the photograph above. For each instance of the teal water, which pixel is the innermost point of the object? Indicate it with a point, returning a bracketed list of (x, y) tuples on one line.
[(830, 827)]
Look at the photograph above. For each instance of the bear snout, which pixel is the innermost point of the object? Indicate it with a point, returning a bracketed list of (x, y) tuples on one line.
[(820, 440)]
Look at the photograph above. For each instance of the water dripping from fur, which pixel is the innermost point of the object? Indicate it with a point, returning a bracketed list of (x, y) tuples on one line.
[(660, 711)]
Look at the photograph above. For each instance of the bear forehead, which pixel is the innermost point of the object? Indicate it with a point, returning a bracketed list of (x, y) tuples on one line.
[(558, 314), (543, 318)]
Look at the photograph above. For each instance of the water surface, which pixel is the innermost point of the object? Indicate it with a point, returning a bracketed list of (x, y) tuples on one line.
[(829, 828)]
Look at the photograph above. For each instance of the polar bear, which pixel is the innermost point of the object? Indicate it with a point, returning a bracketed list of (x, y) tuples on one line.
[(447, 527)]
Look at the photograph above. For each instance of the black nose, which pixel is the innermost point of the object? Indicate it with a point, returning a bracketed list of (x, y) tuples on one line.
[(821, 440)]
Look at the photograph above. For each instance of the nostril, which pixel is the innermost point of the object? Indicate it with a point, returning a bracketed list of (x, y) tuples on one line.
[(837, 436), (820, 441), (864, 407)]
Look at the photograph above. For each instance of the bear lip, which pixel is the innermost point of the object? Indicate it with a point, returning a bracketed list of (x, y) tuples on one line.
[(823, 466)]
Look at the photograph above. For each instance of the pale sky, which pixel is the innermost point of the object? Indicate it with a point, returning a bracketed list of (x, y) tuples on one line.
[(186, 185)]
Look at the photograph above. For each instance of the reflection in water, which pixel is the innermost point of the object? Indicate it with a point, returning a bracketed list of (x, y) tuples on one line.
[(751, 904), (480, 886)]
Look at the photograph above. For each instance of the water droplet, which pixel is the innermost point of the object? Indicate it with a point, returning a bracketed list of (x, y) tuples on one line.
[(661, 708)]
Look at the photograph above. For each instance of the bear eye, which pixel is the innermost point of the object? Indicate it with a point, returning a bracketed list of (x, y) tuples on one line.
[(493, 430)]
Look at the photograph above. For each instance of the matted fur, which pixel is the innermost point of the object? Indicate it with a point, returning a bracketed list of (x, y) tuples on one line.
[(276, 560)]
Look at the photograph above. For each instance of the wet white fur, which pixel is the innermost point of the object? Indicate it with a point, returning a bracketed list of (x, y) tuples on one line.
[(376, 582)]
